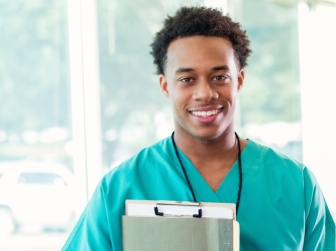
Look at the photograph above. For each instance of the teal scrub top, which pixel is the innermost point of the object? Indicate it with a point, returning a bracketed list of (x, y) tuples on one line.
[(281, 206)]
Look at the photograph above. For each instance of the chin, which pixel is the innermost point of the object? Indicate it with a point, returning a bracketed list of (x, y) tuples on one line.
[(206, 135)]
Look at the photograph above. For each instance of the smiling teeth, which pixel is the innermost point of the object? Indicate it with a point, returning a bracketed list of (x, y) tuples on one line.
[(204, 113)]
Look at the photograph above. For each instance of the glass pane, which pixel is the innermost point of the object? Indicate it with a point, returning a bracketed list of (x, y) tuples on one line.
[(277, 79), (270, 100), (35, 123), (135, 113)]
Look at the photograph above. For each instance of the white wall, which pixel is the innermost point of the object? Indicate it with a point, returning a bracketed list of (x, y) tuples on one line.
[(318, 95)]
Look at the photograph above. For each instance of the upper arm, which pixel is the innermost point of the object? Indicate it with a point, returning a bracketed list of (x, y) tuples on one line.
[(91, 232), (319, 224)]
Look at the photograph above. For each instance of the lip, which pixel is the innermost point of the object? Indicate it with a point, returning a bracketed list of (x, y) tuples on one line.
[(205, 108), (207, 119)]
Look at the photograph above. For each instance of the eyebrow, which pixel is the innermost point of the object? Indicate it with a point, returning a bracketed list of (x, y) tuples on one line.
[(180, 70), (222, 67), (216, 68)]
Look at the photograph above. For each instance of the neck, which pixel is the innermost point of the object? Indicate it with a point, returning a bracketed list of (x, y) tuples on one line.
[(212, 158), (207, 149)]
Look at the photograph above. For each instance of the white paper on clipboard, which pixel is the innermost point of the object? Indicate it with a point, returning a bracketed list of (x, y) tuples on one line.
[(209, 210)]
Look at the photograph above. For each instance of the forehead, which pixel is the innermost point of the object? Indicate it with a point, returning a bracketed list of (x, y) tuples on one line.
[(200, 51)]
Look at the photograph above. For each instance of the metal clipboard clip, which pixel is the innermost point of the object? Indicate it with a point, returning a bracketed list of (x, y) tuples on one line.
[(178, 203)]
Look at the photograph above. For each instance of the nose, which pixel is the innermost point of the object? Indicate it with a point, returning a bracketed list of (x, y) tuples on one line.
[(204, 92)]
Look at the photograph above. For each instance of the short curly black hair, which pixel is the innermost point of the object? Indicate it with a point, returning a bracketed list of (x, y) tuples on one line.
[(199, 21)]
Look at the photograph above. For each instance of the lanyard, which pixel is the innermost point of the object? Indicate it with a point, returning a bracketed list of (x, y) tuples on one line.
[(239, 164)]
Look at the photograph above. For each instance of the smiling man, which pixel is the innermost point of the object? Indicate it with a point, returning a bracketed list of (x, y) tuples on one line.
[(202, 80), (200, 57)]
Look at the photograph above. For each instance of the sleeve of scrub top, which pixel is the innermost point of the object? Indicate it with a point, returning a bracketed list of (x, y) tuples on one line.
[(320, 226), (92, 229)]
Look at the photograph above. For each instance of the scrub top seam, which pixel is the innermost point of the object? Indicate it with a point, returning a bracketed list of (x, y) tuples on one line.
[(73, 237), (258, 155)]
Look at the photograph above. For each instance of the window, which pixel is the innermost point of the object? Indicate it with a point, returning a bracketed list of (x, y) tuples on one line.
[(78, 88), (40, 178), (35, 115)]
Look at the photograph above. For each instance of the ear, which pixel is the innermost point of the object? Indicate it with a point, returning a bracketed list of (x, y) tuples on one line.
[(164, 85), (241, 76)]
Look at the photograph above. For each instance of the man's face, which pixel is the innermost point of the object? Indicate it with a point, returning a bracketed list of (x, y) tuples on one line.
[(202, 80)]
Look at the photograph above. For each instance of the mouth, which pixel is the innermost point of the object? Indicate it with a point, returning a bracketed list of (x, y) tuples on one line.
[(205, 114)]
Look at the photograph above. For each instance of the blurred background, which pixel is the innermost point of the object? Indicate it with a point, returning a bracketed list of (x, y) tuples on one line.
[(79, 96)]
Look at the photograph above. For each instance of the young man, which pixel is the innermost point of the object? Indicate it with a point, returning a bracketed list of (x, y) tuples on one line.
[(200, 56)]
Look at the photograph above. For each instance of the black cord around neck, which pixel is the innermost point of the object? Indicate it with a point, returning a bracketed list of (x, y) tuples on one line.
[(183, 169), (239, 165), (240, 173)]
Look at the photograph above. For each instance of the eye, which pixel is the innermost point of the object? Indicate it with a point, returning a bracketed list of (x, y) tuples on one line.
[(186, 80), (220, 78)]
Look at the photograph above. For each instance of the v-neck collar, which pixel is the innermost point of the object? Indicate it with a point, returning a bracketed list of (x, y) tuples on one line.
[(228, 189)]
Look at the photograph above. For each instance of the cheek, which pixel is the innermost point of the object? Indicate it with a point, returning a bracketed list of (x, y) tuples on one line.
[(179, 102), (178, 97), (233, 93), (230, 98), (229, 95)]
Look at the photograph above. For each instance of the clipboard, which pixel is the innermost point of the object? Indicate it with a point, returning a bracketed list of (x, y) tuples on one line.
[(180, 208), (179, 226)]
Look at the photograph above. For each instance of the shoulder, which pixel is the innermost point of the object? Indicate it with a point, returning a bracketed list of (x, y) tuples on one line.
[(265, 158), (145, 161), (281, 171), (280, 175)]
